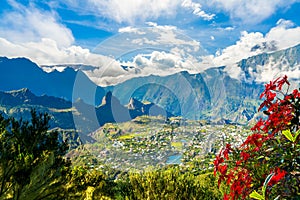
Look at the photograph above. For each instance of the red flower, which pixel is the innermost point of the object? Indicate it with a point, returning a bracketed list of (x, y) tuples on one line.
[(279, 174), (282, 81), (219, 160), (245, 156), (268, 87), (258, 125), (226, 197), (222, 169), (236, 170), (296, 93), (238, 162), (270, 96), (227, 151), (254, 139), (230, 176)]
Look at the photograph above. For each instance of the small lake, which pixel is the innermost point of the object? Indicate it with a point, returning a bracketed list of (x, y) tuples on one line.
[(174, 159)]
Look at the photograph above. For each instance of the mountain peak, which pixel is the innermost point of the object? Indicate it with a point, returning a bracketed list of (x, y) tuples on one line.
[(134, 104), (23, 93), (106, 100)]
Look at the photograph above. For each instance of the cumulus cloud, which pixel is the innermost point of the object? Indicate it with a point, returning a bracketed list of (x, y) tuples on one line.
[(156, 63), (30, 24), (197, 9), (251, 11), (53, 45), (283, 35), (133, 40), (38, 35), (286, 34), (171, 36), (130, 29), (128, 11), (48, 52), (134, 11)]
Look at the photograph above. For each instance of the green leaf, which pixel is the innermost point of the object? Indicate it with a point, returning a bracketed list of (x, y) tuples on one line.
[(288, 135), (256, 195), (267, 180), (260, 157), (277, 197), (296, 135), (269, 177)]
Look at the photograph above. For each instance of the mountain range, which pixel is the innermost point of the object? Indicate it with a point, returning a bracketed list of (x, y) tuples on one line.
[(78, 103), (79, 116), (21, 73)]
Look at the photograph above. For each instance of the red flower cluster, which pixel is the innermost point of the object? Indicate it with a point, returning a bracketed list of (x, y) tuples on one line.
[(279, 111), (232, 165), (255, 139), (279, 174), (238, 178)]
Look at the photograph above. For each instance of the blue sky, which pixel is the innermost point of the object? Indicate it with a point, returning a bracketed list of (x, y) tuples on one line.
[(97, 31)]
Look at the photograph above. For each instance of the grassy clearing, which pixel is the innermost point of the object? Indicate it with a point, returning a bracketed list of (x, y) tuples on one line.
[(177, 145)]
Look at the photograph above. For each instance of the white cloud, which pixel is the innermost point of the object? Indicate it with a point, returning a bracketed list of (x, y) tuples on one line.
[(228, 28), (170, 35), (283, 35), (39, 36), (272, 69), (242, 49), (197, 9), (30, 24), (137, 11), (235, 71), (250, 11), (128, 11), (130, 29), (48, 52), (155, 63), (154, 37)]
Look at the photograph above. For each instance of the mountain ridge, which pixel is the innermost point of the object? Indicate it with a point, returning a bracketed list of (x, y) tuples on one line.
[(212, 94), (22, 73), (79, 116)]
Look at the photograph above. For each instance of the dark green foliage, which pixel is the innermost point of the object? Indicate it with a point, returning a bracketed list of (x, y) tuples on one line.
[(31, 159), (84, 183), (33, 166), (168, 183)]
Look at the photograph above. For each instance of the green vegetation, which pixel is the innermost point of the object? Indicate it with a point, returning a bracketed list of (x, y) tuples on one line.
[(34, 163)]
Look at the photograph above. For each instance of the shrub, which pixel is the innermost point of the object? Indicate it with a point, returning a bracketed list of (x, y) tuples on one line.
[(271, 152)]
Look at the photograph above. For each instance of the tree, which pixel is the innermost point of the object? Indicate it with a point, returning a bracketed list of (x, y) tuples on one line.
[(32, 163), (269, 159)]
